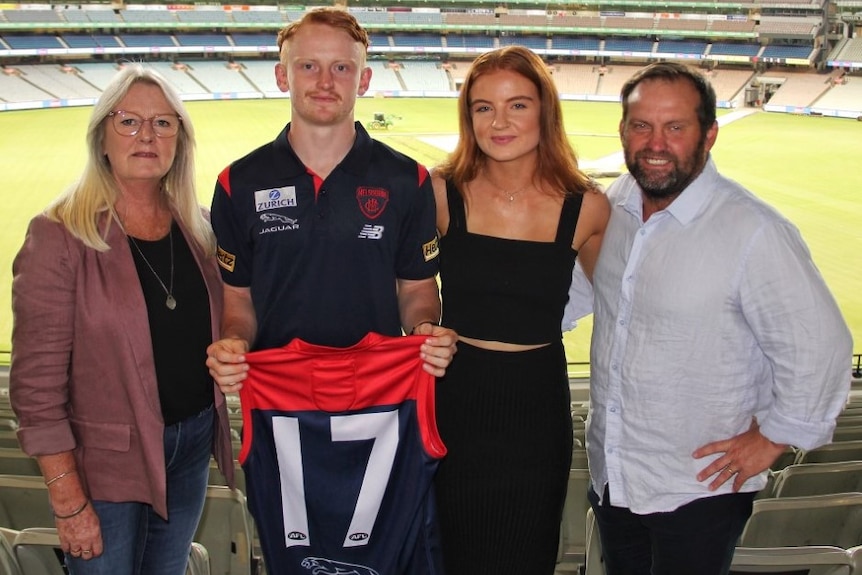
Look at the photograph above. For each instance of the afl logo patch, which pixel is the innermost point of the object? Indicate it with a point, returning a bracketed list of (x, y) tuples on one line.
[(372, 201)]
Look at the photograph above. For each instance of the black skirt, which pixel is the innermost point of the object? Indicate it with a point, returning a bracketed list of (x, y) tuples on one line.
[(506, 421)]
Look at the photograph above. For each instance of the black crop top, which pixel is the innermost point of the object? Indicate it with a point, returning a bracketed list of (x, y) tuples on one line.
[(501, 289)]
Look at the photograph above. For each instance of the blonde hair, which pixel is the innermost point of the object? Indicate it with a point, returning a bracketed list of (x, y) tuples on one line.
[(557, 163), (83, 205)]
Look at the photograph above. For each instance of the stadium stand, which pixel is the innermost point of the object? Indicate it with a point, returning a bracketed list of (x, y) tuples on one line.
[(8, 562), (202, 40), (818, 479), (832, 453), (261, 75), (383, 77), (97, 75), (425, 76), (148, 40), (60, 82), (576, 78), (468, 41), (833, 519), (845, 95), (216, 77), (35, 42), (531, 42), (797, 88)]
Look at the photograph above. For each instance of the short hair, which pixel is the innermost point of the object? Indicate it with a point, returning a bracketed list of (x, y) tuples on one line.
[(328, 16), (557, 162), (674, 72), (81, 206)]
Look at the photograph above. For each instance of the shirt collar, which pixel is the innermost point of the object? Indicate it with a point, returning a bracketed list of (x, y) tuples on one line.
[(356, 161), (687, 205)]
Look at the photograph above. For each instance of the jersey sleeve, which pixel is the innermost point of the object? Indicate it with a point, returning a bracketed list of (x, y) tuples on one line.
[(234, 247), (419, 247)]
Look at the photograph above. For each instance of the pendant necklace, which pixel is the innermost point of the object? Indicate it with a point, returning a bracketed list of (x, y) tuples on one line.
[(511, 194), (170, 302)]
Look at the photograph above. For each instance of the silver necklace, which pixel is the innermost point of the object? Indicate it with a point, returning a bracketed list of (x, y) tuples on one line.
[(170, 302)]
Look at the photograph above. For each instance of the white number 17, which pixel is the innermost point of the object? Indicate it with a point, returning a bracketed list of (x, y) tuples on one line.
[(380, 427)]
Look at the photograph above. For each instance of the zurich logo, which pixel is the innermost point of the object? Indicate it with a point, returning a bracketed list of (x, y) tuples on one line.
[(274, 194)]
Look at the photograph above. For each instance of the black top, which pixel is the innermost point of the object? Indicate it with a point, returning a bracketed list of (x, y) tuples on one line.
[(181, 335), (503, 289)]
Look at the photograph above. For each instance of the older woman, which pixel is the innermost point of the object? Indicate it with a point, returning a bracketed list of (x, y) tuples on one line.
[(116, 296)]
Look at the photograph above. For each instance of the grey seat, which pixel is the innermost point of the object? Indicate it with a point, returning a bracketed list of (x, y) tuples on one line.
[(13, 461), (573, 529), (833, 520), (814, 560), (8, 561), (225, 531), (832, 452), (24, 502), (199, 560), (38, 551), (593, 562), (819, 479)]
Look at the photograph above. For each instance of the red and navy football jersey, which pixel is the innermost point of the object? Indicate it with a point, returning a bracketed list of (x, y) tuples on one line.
[(340, 447)]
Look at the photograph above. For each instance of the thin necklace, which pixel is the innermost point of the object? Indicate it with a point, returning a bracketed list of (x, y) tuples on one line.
[(511, 194), (170, 302)]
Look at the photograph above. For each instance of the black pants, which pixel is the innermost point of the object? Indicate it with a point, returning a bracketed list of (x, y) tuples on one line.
[(697, 538)]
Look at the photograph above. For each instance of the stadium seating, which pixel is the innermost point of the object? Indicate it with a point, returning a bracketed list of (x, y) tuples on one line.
[(226, 533), (807, 560), (24, 502), (834, 520), (8, 562), (593, 562), (37, 551), (818, 479), (573, 536), (13, 461), (832, 452)]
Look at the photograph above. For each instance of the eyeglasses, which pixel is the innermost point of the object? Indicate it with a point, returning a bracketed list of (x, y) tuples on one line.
[(129, 123)]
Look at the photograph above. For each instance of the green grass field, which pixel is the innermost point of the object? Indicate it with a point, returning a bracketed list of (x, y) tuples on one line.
[(805, 166)]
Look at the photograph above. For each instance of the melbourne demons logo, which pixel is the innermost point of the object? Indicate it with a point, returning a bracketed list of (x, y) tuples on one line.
[(321, 566), (372, 201)]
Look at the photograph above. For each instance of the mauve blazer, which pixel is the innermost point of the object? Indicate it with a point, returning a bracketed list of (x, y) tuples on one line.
[(83, 375)]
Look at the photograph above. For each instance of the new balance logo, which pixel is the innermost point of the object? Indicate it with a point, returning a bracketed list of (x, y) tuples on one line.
[(370, 232)]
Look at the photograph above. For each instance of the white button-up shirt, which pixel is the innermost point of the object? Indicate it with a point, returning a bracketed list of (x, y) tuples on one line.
[(708, 314)]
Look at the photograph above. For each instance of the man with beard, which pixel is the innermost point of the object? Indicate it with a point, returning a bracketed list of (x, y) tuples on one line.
[(716, 343)]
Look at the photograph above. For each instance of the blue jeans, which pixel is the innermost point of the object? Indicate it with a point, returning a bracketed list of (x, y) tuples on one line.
[(136, 540), (698, 537)]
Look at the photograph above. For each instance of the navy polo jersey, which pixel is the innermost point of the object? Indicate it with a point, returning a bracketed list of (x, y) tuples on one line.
[(322, 257)]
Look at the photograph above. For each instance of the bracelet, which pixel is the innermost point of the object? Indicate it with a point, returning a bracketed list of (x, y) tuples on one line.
[(431, 321), (60, 476), (73, 513)]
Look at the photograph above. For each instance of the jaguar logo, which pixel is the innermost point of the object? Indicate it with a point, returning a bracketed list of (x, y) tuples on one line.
[(323, 566)]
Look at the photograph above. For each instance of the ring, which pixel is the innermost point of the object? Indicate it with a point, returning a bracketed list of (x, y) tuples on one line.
[(86, 551), (732, 471)]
